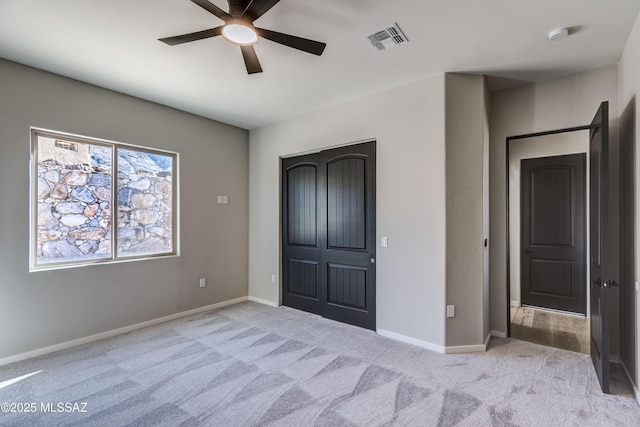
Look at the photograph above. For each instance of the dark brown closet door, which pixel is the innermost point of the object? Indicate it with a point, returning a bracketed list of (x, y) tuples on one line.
[(328, 221)]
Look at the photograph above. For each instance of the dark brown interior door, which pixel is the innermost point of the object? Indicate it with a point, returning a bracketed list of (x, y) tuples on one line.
[(553, 272), (301, 248), (328, 234), (598, 197)]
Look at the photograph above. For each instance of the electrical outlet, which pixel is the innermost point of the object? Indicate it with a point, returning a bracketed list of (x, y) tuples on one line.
[(203, 282), (451, 311)]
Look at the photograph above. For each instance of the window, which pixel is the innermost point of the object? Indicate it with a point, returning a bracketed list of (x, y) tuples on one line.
[(98, 201)]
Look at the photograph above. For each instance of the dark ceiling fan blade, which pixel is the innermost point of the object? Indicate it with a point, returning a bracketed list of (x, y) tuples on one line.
[(251, 59), (257, 8), (237, 7), (210, 7), (198, 35), (299, 43)]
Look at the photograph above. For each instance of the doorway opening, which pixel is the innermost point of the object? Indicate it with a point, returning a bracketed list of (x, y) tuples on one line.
[(550, 328), (548, 213), (603, 219)]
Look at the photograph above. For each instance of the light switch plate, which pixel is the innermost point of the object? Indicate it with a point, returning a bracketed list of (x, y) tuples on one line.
[(383, 241), (451, 311)]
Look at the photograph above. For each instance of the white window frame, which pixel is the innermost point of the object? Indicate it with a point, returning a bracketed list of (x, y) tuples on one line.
[(114, 258)]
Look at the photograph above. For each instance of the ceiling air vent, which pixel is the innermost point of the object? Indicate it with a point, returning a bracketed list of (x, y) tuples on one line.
[(386, 38)]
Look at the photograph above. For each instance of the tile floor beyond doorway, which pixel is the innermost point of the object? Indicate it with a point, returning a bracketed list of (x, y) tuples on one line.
[(551, 329)]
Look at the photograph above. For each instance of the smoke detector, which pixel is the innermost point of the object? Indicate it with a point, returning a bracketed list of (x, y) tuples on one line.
[(558, 34), (386, 38)]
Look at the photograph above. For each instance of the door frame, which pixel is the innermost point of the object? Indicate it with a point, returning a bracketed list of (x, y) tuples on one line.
[(507, 175)]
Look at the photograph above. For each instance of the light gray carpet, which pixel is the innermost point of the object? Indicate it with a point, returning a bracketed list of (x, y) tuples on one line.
[(250, 364)]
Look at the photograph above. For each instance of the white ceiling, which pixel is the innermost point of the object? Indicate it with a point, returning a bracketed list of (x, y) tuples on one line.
[(113, 44)]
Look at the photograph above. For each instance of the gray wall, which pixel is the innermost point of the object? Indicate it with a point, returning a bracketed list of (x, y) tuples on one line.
[(429, 203), (486, 217), (465, 130), (49, 307), (629, 75), (408, 124)]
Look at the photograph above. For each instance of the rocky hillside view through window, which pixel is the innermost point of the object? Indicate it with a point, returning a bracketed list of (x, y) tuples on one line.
[(75, 216)]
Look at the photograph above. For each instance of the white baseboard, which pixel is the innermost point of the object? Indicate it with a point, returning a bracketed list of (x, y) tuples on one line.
[(85, 340), (460, 349), (434, 347), (264, 301), (476, 348), (410, 340), (498, 334), (487, 341), (515, 303)]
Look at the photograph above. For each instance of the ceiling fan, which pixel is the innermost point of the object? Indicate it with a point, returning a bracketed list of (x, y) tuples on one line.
[(238, 29)]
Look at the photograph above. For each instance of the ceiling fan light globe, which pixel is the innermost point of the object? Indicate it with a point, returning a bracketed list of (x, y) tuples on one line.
[(240, 34)]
